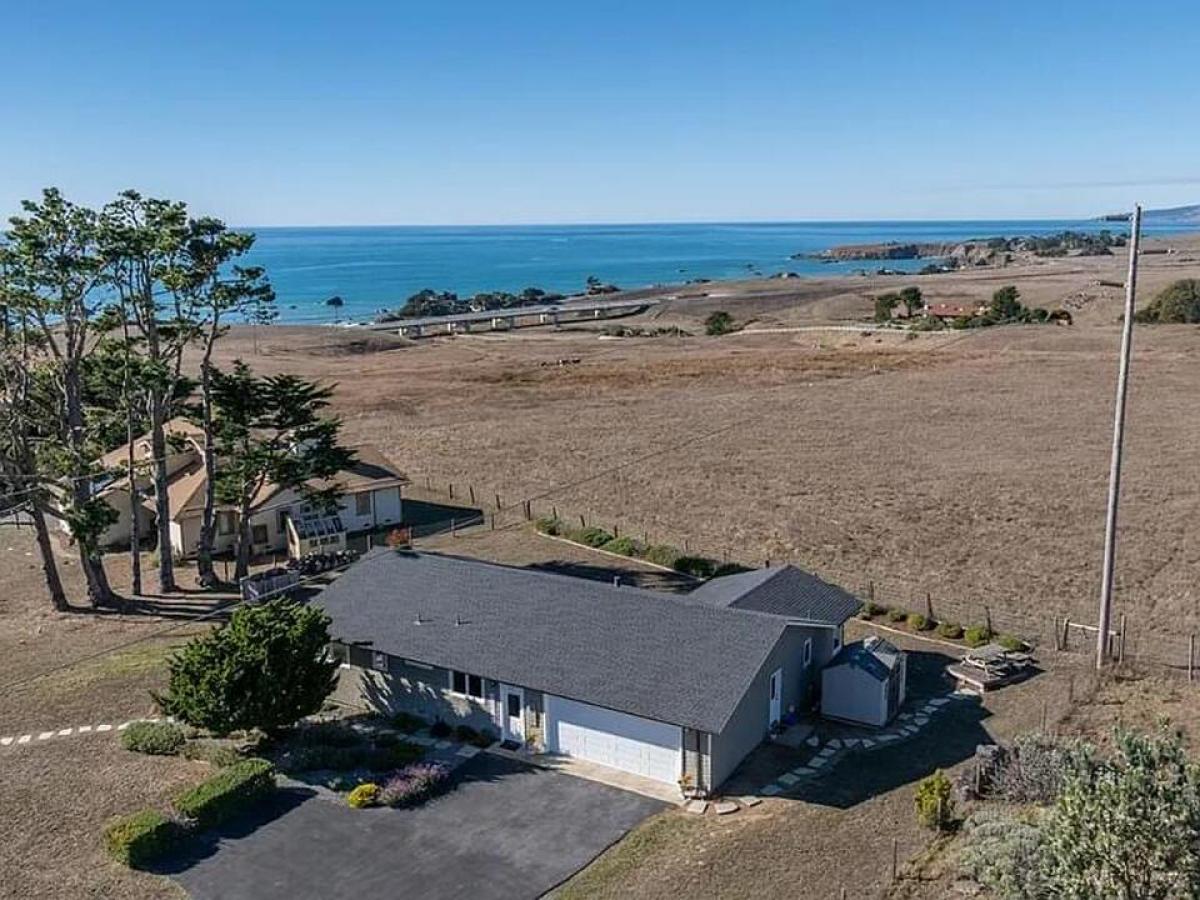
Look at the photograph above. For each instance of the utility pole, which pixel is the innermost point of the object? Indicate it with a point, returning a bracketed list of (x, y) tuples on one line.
[(1114, 473)]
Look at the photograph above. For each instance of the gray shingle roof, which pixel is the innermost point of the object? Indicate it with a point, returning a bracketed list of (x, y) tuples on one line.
[(781, 591), (635, 651), (873, 655)]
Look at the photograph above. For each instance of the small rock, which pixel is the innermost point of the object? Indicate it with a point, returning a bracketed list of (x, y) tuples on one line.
[(697, 807), (749, 802), (725, 807)]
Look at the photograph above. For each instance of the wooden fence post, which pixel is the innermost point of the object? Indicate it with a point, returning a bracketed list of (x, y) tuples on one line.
[(493, 519), (452, 490), (497, 502), (1054, 632), (528, 510), (1191, 657), (929, 606), (1066, 634), (1121, 641), (895, 857), (471, 489), (428, 483), (987, 616), (582, 522)]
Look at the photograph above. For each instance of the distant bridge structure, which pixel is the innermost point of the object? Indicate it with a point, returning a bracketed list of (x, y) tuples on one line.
[(556, 314)]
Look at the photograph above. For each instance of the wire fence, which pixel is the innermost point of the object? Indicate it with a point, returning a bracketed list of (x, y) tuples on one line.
[(1132, 642)]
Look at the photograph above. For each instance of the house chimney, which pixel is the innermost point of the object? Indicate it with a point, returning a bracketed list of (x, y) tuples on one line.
[(616, 581)]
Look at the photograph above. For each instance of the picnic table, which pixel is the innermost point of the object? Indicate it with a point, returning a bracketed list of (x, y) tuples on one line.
[(989, 667)]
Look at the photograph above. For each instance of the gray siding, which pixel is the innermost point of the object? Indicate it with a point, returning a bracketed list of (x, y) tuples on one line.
[(402, 686), (747, 727)]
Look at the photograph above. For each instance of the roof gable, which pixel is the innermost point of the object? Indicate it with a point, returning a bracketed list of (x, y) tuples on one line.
[(781, 591)]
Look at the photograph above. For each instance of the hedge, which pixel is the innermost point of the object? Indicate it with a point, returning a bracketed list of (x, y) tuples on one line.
[(140, 838), (154, 738), (661, 555), (593, 536), (696, 566), (227, 793), (977, 636), (624, 546)]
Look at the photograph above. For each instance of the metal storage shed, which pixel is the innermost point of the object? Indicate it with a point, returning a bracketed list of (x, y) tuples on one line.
[(864, 683)]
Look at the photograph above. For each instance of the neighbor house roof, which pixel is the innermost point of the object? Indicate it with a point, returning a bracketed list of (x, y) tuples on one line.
[(631, 650), (875, 656), (371, 470), (781, 591), (118, 457)]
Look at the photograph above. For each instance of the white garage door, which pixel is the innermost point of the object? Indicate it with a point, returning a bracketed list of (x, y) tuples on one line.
[(630, 743)]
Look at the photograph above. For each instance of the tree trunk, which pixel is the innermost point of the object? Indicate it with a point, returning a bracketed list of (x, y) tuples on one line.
[(243, 543), (135, 521), (54, 584), (204, 561), (99, 591), (162, 503)]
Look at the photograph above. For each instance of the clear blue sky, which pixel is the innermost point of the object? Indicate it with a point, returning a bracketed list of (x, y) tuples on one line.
[(461, 112)]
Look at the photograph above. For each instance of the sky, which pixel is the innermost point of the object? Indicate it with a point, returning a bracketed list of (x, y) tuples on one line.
[(357, 112)]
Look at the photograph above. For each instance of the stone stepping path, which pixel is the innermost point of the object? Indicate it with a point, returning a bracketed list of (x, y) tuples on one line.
[(906, 725), (41, 736)]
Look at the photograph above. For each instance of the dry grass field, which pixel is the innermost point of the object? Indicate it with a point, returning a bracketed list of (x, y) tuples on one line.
[(971, 465)]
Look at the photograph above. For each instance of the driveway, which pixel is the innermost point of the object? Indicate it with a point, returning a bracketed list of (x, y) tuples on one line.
[(505, 830)]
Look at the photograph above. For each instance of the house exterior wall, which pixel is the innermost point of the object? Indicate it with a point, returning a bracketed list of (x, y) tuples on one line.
[(384, 509), (405, 686), (120, 532), (748, 726)]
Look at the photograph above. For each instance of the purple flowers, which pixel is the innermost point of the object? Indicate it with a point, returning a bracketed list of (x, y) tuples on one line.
[(413, 783)]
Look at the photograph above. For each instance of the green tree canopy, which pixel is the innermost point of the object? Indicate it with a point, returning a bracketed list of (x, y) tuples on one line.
[(1177, 303), (884, 304), (912, 300), (1006, 304), (266, 668)]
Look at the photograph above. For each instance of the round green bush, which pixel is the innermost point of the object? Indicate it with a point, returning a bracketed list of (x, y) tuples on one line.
[(661, 555), (153, 738), (918, 622), (549, 525), (950, 630), (1011, 642), (977, 635), (364, 795), (592, 536), (897, 615), (624, 545), (870, 610)]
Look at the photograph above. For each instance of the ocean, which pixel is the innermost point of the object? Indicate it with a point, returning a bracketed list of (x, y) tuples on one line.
[(376, 268)]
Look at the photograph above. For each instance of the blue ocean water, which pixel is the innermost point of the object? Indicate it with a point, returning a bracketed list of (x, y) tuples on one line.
[(374, 268)]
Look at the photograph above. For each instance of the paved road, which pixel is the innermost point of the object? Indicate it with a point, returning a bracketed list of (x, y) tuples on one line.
[(506, 830)]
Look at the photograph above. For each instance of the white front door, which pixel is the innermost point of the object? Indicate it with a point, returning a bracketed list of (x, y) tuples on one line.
[(512, 713), (776, 697)]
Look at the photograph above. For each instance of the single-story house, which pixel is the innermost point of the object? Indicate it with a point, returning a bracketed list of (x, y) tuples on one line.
[(370, 488), (864, 683), (678, 688)]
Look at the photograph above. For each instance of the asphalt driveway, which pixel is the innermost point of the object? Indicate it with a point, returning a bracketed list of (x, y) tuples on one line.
[(505, 830)]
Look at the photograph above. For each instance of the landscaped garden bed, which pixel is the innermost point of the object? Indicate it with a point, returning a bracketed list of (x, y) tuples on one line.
[(901, 619)]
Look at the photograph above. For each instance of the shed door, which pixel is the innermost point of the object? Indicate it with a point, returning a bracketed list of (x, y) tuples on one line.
[(629, 743)]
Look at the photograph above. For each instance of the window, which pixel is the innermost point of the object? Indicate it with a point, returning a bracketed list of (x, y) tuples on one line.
[(362, 504), (467, 685), (258, 534), (225, 522), (808, 651), (281, 518)]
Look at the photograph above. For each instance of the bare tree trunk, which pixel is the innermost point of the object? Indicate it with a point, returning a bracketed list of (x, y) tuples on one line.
[(243, 543), (99, 591), (162, 503), (54, 585), (135, 510), (204, 561)]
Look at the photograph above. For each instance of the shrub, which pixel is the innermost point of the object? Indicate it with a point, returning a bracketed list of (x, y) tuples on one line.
[(154, 738), (918, 622), (719, 323), (1179, 302), (140, 838), (227, 793), (465, 734), (951, 630), (977, 635), (897, 615), (218, 753), (1011, 642), (870, 610), (327, 734), (1126, 826), (696, 566), (1003, 853), (440, 730), (407, 722), (412, 784), (266, 668), (729, 568), (625, 546), (934, 803), (364, 795), (1032, 769), (592, 536), (379, 758), (549, 525), (661, 555)]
